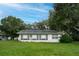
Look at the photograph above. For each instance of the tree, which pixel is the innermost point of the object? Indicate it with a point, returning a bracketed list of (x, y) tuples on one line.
[(51, 21), (65, 17), (42, 25), (66, 38), (11, 25), (29, 26)]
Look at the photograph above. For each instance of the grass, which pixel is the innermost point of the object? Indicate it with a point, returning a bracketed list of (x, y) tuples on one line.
[(15, 48)]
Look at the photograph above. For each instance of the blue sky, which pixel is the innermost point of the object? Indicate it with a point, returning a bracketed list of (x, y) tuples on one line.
[(28, 12)]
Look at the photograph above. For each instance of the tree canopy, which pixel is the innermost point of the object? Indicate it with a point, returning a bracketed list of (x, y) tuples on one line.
[(42, 25), (11, 25), (65, 17)]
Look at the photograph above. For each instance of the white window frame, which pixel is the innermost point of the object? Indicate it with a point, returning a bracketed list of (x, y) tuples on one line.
[(43, 38), (32, 37), (55, 36), (24, 37)]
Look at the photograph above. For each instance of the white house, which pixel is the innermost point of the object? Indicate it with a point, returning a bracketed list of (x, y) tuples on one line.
[(39, 36)]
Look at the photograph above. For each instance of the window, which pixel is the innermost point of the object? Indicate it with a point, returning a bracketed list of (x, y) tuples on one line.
[(55, 37), (25, 37), (34, 37), (43, 37)]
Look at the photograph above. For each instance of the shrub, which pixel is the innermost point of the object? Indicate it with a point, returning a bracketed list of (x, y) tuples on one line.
[(66, 39), (75, 37)]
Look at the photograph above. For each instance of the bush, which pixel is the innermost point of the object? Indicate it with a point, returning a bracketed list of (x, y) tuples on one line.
[(66, 39), (75, 37)]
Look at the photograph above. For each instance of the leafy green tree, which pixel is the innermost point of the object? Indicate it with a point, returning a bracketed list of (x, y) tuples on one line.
[(11, 25), (29, 26), (64, 17), (42, 25)]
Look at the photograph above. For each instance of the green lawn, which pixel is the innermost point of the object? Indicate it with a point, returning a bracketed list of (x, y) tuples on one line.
[(15, 48)]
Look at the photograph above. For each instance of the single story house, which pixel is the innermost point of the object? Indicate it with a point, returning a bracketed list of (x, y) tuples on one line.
[(39, 36)]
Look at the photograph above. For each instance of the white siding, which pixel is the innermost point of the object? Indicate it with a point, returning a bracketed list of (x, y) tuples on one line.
[(43, 37), (50, 39), (25, 36), (19, 38), (32, 37)]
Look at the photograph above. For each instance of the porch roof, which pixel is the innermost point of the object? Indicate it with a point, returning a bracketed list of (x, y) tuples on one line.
[(39, 32)]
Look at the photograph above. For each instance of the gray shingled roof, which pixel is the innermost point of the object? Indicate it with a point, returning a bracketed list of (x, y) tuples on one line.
[(39, 32)]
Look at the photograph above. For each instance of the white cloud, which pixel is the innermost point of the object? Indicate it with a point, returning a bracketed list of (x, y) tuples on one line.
[(15, 6), (38, 9), (25, 7)]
